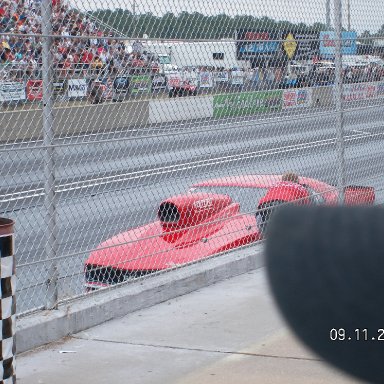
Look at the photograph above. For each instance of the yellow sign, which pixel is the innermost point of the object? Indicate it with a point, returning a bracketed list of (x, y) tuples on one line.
[(290, 45)]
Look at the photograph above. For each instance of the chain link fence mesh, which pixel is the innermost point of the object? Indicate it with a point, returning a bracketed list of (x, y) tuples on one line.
[(138, 137)]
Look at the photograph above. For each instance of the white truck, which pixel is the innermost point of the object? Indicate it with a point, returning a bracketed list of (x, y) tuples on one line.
[(218, 54)]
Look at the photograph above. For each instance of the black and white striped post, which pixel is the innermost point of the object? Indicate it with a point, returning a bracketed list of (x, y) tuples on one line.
[(7, 303)]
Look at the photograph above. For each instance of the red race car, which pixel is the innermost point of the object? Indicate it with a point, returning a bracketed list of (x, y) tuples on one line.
[(214, 216)]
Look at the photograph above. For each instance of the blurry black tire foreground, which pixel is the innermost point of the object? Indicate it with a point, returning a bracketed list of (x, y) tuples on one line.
[(326, 270)]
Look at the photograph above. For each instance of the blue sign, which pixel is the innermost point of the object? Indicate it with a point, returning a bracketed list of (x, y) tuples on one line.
[(260, 47), (328, 43)]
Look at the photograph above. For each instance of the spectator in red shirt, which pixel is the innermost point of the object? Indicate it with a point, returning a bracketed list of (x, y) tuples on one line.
[(86, 58)]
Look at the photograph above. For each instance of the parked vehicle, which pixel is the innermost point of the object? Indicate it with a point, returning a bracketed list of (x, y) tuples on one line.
[(186, 88)]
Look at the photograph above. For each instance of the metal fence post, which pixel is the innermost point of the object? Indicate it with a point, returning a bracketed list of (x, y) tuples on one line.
[(49, 163), (328, 13), (8, 302), (339, 100)]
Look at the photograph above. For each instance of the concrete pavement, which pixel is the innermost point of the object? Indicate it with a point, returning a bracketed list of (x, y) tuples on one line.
[(229, 332)]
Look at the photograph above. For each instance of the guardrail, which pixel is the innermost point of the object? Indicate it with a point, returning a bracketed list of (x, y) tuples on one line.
[(26, 124)]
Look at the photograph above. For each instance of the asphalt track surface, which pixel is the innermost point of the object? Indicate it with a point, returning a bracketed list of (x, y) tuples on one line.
[(107, 184)]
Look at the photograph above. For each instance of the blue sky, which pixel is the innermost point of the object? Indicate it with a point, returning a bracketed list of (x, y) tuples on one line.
[(365, 14)]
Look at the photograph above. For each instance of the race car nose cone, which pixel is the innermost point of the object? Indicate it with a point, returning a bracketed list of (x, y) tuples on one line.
[(325, 267)]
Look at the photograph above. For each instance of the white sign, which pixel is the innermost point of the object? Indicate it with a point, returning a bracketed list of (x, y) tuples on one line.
[(77, 88), (159, 82), (174, 80), (221, 77), (361, 91), (237, 78), (206, 80), (191, 77), (12, 91), (293, 98)]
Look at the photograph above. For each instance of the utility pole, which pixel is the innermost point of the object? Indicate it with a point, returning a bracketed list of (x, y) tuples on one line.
[(349, 14), (135, 21), (328, 13)]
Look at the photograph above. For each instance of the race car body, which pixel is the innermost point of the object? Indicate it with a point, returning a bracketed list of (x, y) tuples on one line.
[(212, 217)]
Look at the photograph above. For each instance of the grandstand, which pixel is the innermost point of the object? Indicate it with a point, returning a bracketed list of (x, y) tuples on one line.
[(101, 54)]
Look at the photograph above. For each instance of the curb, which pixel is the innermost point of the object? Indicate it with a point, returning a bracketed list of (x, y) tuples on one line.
[(44, 327)]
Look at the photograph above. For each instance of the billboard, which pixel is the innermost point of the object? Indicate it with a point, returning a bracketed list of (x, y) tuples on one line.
[(140, 84), (300, 45), (174, 80), (12, 91), (237, 77), (362, 91), (294, 98), (159, 82), (253, 44), (328, 43), (77, 88), (221, 77), (206, 79), (247, 103), (34, 90), (59, 88)]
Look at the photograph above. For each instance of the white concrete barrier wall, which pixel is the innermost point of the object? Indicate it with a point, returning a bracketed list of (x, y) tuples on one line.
[(186, 108)]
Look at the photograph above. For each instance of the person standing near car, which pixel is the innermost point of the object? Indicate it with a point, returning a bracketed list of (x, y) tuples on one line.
[(290, 177)]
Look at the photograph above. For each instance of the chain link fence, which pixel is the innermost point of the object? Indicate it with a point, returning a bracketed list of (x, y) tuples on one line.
[(141, 137)]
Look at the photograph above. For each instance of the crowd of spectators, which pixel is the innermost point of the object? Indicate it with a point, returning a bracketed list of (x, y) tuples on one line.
[(81, 44), (83, 47)]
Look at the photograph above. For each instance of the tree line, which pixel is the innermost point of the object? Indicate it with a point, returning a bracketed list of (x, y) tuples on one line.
[(192, 25), (198, 26)]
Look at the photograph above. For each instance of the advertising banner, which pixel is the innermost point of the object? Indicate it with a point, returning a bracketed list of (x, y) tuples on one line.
[(206, 80), (221, 77), (12, 91), (108, 90), (300, 46), (380, 89), (159, 82), (120, 87), (77, 88), (59, 88), (34, 90), (174, 80), (360, 91), (140, 84), (293, 98), (192, 77), (328, 43), (247, 103), (251, 43), (237, 77)]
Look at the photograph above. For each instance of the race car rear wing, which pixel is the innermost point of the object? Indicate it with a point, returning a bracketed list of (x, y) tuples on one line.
[(359, 195)]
